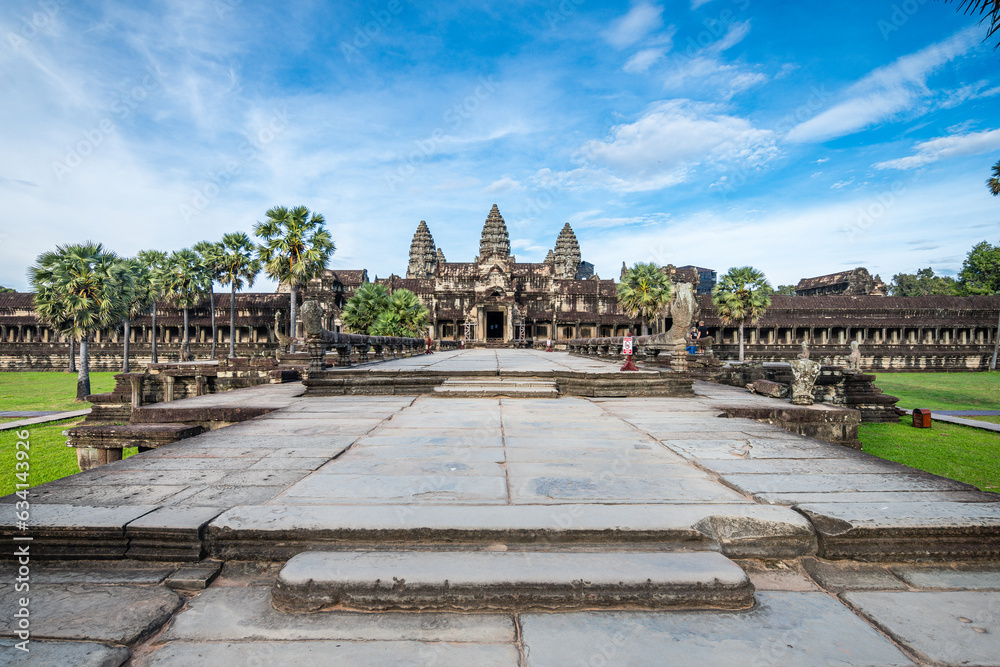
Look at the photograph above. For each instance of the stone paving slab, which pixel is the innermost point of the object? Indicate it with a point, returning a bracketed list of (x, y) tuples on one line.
[(62, 654), (904, 531), (784, 628), (845, 575), (106, 495), (620, 489), (71, 531), (806, 498), (821, 483), (509, 581), (340, 652), (91, 572), (246, 614), (320, 489), (169, 533), (967, 576), (119, 614), (951, 628), (277, 532)]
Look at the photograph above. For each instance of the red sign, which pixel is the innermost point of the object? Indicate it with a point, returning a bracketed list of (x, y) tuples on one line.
[(627, 345)]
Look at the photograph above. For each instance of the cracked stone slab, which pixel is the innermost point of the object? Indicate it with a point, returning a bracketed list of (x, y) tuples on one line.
[(968, 576), (839, 576), (784, 628), (947, 627), (328, 486), (509, 581), (91, 572), (58, 493), (57, 654), (246, 614), (281, 531), (170, 533), (820, 483), (72, 531), (120, 614), (806, 498), (370, 654), (906, 531), (195, 576)]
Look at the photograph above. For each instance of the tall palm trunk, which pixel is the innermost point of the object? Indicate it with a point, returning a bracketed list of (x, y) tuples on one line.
[(83, 375), (125, 346), (71, 368), (291, 323), (186, 340), (232, 322), (996, 345), (741, 341), (211, 301), (154, 360)]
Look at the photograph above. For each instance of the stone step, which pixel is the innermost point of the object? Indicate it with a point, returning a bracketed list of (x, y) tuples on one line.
[(487, 387), (509, 581)]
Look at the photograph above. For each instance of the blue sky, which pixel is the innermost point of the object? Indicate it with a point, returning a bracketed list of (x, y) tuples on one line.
[(801, 138)]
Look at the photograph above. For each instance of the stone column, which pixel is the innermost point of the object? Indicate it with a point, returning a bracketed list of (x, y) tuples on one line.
[(343, 355), (363, 352), (168, 388)]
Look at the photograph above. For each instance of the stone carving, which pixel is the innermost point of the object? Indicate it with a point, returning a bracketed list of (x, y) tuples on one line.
[(805, 372), (567, 254), (312, 318), (804, 354), (683, 310), (854, 358), (494, 241), (423, 254)]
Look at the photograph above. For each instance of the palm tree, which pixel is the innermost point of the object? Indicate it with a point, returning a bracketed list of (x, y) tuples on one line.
[(80, 289), (988, 9), (363, 308), (138, 297), (211, 259), (644, 291), (238, 265), (295, 249), (155, 261), (403, 315), (994, 182), (186, 281), (742, 296)]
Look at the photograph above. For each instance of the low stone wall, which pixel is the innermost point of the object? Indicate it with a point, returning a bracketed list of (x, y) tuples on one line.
[(108, 356), (874, 358)]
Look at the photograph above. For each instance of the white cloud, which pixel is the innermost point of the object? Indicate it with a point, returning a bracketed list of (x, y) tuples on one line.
[(885, 92), (641, 20), (704, 70), (664, 146), (695, 4), (505, 183), (956, 145), (643, 60)]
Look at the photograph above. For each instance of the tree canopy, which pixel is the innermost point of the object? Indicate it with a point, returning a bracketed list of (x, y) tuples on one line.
[(980, 272), (922, 283), (403, 315), (741, 297), (363, 308), (644, 291)]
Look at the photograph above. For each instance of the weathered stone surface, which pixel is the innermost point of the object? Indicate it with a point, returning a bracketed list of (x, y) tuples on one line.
[(62, 654), (819, 483), (88, 612), (838, 576), (340, 652), (275, 532), (962, 575), (241, 614), (91, 572), (952, 628), (802, 629), (194, 577), (72, 531), (906, 531), (500, 581)]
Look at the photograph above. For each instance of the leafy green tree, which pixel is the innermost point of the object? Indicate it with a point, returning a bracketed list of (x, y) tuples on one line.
[(784, 290), (404, 315), (80, 289), (980, 274), (296, 248), (922, 283), (993, 183), (363, 308), (155, 261), (239, 268), (644, 290), (139, 295), (186, 281), (211, 258), (742, 296), (7, 290)]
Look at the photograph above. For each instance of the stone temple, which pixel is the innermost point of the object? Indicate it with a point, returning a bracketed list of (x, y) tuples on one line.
[(495, 299)]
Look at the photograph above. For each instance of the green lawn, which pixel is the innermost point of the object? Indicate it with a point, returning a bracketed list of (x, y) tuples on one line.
[(943, 391), (48, 391), (957, 452)]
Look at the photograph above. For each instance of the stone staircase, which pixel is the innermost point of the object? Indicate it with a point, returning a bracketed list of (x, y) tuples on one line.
[(493, 386)]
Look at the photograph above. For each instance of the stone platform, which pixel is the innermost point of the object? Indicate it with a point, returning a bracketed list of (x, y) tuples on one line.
[(554, 524)]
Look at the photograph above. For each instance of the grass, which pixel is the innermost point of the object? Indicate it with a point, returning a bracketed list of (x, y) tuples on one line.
[(943, 391), (48, 391), (958, 452)]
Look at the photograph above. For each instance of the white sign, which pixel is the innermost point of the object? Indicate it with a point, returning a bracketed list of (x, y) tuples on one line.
[(627, 345)]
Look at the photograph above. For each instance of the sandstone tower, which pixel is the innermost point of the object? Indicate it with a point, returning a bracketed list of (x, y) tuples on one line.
[(567, 254), (495, 241), (423, 255)]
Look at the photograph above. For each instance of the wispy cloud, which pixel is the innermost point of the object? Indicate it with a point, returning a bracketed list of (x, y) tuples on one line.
[(941, 148), (641, 20), (885, 92)]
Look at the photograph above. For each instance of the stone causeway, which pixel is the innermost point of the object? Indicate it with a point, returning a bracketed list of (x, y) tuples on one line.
[(504, 514)]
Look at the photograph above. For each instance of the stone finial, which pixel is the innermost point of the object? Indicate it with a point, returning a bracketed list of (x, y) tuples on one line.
[(550, 258), (423, 258), (494, 242), (440, 256), (567, 254)]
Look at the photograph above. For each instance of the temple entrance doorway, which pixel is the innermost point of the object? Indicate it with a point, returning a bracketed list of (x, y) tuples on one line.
[(494, 326)]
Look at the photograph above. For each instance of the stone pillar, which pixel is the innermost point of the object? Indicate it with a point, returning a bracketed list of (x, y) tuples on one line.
[(805, 372), (168, 388), (136, 382), (363, 352), (316, 350), (343, 355)]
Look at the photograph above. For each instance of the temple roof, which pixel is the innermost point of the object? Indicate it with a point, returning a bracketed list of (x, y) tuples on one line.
[(494, 240)]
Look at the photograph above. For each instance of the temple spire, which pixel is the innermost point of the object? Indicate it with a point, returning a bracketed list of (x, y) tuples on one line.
[(495, 242), (567, 254), (423, 256)]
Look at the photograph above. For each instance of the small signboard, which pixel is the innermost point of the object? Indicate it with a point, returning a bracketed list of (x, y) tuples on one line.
[(627, 345)]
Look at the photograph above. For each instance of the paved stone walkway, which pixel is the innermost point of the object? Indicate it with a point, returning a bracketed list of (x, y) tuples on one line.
[(835, 541), (40, 418)]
